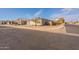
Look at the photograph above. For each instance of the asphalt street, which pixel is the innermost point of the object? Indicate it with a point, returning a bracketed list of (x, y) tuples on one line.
[(25, 39)]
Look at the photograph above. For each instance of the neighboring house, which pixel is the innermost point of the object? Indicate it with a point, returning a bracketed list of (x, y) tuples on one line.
[(50, 23), (30, 22), (10, 22), (58, 21), (21, 21), (71, 22), (0, 22), (37, 21), (77, 23), (3, 22), (7, 22)]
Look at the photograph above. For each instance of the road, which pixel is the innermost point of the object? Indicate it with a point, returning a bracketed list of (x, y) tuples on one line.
[(25, 39), (72, 29)]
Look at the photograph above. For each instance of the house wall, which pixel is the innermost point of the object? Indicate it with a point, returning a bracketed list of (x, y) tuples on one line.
[(31, 22), (21, 21)]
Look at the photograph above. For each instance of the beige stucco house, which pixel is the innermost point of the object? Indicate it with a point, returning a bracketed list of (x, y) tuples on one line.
[(21, 21), (37, 21)]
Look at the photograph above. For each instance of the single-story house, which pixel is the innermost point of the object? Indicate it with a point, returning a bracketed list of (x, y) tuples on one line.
[(37, 21), (21, 21)]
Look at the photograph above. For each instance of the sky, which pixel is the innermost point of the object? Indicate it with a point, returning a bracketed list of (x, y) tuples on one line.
[(69, 14)]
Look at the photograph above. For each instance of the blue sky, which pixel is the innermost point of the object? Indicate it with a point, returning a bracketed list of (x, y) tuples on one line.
[(50, 13), (26, 12)]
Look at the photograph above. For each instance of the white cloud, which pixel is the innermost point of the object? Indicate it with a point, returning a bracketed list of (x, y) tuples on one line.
[(62, 12), (38, 13), (66, 10), (69, 14)]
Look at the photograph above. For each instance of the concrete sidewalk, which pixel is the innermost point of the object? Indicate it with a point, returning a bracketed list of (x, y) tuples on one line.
[(59, 28)]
